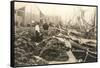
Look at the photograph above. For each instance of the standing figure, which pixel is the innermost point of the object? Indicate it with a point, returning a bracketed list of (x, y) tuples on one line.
[(37, 35), (37, 28), (45, 28)]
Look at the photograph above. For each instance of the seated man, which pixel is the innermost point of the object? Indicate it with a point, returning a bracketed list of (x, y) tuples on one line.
[(45, 26)]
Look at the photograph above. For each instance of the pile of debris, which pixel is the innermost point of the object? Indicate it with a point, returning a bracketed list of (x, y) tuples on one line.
[(27, 52), (53, 50), (25, 49)]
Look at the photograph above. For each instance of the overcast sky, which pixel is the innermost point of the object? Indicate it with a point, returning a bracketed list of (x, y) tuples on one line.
[(65, 11)]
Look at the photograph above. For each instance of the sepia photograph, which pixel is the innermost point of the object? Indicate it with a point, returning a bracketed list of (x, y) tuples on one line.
[(49, 33)]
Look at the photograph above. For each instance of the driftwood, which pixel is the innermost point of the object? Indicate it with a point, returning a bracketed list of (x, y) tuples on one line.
[(74, 43)]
